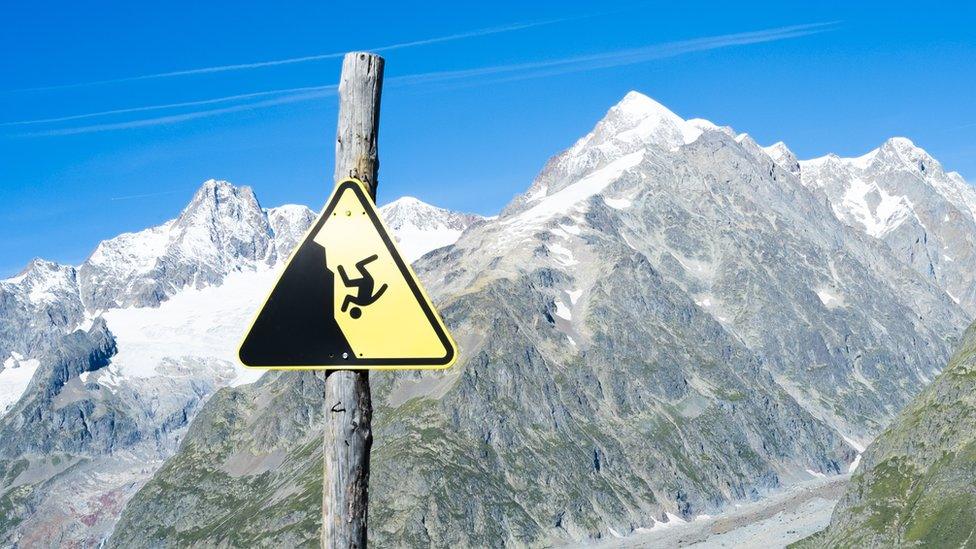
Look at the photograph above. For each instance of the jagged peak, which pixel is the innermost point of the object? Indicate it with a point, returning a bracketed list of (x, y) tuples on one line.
[(901, 143), (408, 201), (639, 107), (216, 183), (45, 264), (908, 152), (407, 207), (408, 210), (39, 267), (219, 198), (638, 117), (411, 206), (637, 103), (778, 147), (217, 189), (783, 157), (896, 150), (779, 150)]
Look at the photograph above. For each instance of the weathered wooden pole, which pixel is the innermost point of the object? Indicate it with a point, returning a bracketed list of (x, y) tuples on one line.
[(348, 409)]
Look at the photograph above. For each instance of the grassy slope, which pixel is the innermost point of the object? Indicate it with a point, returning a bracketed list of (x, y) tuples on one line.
[(917, 482)]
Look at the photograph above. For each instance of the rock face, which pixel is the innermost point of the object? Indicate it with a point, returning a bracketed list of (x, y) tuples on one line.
[(37, 306), (289, 223), (223, 230), (260, 438), (916, 485), (103, 366), (669, 320), (900, 194), (82, 439)]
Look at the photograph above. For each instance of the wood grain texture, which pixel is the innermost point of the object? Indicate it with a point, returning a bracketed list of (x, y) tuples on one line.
[(360, 87), (348, 406)]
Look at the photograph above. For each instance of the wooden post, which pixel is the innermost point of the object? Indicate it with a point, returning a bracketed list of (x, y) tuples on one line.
[(348, 409)]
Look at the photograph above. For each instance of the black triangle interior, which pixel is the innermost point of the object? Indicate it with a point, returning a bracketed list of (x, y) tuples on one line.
[(296, 327)]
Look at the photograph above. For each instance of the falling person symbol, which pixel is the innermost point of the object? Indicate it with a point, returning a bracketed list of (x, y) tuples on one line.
[(364, 295)]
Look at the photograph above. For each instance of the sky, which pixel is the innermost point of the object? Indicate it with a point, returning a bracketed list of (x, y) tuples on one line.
[(111, 116)]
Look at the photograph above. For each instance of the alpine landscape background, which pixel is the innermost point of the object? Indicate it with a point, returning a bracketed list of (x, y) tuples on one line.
[(670, 321)]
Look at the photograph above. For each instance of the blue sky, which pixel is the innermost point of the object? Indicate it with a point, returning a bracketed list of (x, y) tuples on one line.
[(477, 97)]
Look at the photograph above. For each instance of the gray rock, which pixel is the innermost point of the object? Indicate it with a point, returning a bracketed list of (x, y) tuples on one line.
[(916, 484), (37, 307), (222, 230), (901, 195), (668, 321)]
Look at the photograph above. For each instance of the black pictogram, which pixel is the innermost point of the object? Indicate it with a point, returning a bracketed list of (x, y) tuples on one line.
[(364, 285)]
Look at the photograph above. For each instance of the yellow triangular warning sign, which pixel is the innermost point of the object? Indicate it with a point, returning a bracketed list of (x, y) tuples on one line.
[(347, 300)]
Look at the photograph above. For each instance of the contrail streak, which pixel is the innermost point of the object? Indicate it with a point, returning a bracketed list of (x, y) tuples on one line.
[(464, 77), (327, 90), (308, 58), (168, 105), (147, 195), (620, 57)]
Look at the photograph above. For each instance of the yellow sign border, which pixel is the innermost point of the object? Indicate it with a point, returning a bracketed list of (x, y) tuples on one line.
[(452, 346)]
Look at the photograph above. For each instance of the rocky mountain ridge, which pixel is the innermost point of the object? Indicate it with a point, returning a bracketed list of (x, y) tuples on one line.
[(666, 322), (420, 227), (108, 362), (899, 194)]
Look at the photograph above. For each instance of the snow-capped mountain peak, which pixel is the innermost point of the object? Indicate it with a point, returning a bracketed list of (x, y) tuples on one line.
[(902, 151), (894, 153), (638, 117), (634, 125), (783, 157), (221, 219), (222, 230), (420, 227), (638, 105), (409, 211), (900, 194), (44, 281)]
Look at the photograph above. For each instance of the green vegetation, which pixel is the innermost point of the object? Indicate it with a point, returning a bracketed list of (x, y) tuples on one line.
[(917, 484)]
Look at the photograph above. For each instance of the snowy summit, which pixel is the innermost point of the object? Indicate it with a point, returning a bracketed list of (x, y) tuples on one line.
[(420, 227)]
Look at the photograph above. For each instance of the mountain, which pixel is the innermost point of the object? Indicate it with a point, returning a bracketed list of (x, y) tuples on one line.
[(900, 194), (222, 230), (667, 322), (105, 364), (917, 482), (420, 227), (42, 300)]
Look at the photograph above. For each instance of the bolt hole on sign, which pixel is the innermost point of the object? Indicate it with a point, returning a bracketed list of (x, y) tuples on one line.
[(347, 300)]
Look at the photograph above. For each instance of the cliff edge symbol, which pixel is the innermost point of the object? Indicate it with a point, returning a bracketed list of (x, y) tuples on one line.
[(347, 300)]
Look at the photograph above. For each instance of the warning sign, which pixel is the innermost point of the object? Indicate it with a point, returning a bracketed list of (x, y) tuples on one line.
[(347, 300)]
